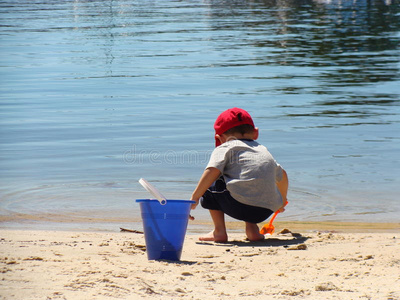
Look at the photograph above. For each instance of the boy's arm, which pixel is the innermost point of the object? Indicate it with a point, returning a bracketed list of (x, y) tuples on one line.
[(206, 180), (283, 186)]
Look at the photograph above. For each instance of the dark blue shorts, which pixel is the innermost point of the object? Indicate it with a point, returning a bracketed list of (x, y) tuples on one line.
[(217, 197)]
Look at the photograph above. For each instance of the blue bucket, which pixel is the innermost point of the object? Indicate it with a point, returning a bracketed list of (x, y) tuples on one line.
[(164, 227)]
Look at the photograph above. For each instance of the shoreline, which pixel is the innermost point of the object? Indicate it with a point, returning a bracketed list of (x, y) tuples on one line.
[(203, 226)]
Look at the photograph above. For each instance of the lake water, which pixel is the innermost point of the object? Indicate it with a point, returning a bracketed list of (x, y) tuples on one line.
[(97, 94)]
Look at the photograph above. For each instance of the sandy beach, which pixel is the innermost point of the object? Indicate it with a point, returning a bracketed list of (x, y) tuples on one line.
[(294, 265)]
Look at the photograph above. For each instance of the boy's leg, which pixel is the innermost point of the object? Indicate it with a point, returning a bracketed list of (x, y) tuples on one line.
[(217, 215), (253, 232), (219, 202), (219, 233)]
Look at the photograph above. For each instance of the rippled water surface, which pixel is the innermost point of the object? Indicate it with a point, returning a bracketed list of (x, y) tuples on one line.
[(96, 94)]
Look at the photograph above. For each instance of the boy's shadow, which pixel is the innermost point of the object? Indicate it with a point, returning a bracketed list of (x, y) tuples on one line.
[(285, 241)]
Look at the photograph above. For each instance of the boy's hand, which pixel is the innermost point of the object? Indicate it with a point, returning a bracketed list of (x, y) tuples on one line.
[(282, 209), (194, 205)]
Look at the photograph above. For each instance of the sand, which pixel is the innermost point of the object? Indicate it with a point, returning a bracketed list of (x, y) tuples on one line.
[(295, 265)]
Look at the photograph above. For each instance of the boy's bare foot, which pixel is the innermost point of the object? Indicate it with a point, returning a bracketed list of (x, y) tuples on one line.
[(214, 237), (253, 232)]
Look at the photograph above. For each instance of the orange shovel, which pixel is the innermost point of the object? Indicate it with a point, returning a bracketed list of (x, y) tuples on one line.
[(269, 228)]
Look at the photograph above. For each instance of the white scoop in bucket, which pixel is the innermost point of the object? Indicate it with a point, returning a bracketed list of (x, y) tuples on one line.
[(152, 190)]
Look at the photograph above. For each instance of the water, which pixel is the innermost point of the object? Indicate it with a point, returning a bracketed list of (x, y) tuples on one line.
[(97, 94)]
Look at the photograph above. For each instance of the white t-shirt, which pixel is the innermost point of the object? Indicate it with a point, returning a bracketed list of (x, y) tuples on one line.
[(250, 173)]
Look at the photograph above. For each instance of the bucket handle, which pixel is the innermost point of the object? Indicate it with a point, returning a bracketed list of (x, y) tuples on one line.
[(152, 190)]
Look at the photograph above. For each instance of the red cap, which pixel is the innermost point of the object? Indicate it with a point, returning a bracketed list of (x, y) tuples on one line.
[(231, 118)]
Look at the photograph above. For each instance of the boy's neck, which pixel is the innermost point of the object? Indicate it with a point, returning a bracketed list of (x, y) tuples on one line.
[(239, 136)]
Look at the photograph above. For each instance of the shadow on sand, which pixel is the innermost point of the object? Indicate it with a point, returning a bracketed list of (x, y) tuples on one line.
[(281, 241)]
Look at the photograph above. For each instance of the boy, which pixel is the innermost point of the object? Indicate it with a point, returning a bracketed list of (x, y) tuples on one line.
[(242, 179)]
